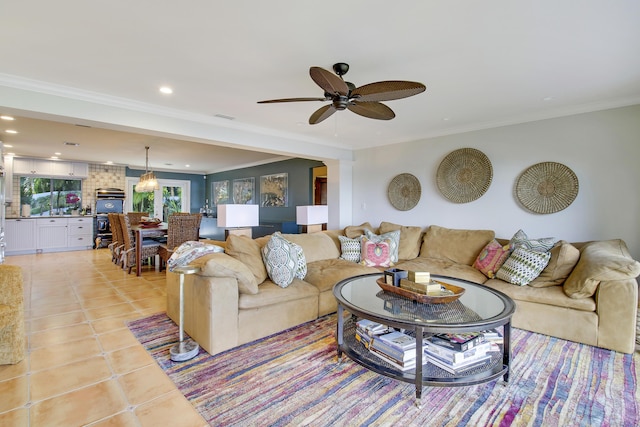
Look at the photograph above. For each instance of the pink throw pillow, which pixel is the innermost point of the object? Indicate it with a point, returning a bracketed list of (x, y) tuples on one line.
[(375, 254), (491, 258)]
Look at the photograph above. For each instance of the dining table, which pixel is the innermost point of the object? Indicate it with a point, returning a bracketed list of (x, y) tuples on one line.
[(140, 231)]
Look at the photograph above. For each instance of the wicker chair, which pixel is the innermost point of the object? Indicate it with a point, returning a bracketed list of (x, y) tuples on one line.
[(182, 227), (117, 242), (149, 247), (136, 217)]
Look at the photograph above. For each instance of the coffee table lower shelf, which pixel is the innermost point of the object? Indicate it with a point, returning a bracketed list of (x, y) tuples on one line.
[(431, 374)]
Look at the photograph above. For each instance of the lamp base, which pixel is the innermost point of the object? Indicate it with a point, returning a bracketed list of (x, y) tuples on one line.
[(242, 231), (185, 350), (314, 228)]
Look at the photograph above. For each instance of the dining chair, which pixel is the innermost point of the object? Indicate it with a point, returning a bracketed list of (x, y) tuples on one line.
[(117, 242), (149, 246), (136, 217), (181, 227)]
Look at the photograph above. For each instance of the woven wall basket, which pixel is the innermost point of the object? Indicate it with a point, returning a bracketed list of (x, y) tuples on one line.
[(404, 191), (547, 187), (464, 175)]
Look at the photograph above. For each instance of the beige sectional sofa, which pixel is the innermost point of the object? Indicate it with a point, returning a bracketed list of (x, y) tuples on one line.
[(589, 297)]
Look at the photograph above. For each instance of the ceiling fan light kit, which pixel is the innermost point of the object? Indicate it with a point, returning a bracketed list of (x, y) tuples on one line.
[(363, 100)]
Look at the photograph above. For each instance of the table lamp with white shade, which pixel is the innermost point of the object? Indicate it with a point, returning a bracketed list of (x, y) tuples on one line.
[(238, 219), (312, 218)]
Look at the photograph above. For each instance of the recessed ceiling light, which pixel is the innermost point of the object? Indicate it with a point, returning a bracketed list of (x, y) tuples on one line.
[(54, 157), (548, 98), (108, 162), (57, 154), (187, 166), (11, 131), (166, 90), (6, 118), (8, 146)]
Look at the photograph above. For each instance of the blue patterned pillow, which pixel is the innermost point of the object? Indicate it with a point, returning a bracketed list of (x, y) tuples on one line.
[(283, 260), (393, 236), (350, 248)]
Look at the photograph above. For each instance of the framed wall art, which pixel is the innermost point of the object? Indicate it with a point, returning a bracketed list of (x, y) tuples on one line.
[(274, 190), (220, 192), (243, 191)]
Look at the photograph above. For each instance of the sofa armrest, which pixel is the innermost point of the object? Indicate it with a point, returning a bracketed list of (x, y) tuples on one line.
[(617, 306), (210, 309)]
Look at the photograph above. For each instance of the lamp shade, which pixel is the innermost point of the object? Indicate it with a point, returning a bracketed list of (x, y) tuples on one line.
[(238, 216), (310, 215)]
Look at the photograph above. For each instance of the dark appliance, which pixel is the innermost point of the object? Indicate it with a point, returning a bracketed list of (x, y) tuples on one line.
[(108, 200)]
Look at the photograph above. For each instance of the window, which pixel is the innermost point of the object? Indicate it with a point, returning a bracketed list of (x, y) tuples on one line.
[(50, 196), (173, 196)]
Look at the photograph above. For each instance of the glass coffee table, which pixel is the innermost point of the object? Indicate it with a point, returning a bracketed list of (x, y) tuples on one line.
[(479, 308)]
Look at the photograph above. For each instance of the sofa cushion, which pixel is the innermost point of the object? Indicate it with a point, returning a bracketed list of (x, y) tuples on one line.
[(443, 268), (522, 266), (316, 246), (491, 258), (375, 253), (457, 246), (271, 294), (222, 265), (601, 260), (394, 241), (350, 248), (564, 257), (354, 231), (553, 295), (326, 273), (283, 260), (247, 251), (410, 239), (520, 239)]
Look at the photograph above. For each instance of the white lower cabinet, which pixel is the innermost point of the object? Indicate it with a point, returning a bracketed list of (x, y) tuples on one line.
[(80, 233), (19, 235), (49, 234)]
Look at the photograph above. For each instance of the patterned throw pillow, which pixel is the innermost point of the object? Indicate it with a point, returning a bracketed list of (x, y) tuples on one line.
[(189, 251), (376, 253), (283, 260), (520, 239), (523, 266), (392, 236), (491, 258), (350, 248)]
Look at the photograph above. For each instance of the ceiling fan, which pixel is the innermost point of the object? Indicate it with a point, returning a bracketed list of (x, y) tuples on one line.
[(363, 100)]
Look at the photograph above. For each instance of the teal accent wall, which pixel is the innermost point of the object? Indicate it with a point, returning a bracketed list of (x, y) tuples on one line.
[(299, 177)]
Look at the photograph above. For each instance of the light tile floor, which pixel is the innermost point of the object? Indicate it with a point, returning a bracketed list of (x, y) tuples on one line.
[(83, 365)]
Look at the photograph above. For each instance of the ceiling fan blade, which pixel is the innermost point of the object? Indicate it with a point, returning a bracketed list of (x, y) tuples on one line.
[(321, 114), (328, 81), (270, 101), (387, 90), (372, 110)]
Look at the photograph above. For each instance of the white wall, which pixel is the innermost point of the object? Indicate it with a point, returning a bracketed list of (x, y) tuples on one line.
[(602, 149)]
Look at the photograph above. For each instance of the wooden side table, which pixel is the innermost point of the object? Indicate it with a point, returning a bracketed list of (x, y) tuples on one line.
[(185, 349)]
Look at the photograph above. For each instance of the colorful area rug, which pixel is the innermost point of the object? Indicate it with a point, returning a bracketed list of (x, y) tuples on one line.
[(292, 378)]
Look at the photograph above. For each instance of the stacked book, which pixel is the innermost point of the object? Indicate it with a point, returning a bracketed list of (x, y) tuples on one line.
[(396, 348), (456, 353), (367, 329)]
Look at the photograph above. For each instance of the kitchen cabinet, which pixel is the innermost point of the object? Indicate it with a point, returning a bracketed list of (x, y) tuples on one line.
[(80, 233), (8, 178), (19, 235), (53, 168), (26, 166), (51, 233)]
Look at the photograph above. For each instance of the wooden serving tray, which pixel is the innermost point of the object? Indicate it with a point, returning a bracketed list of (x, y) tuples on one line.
[(425, 299)]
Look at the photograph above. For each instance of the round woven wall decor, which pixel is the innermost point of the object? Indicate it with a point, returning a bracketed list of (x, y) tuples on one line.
[(464, 175), (547, 187), (404, 191)]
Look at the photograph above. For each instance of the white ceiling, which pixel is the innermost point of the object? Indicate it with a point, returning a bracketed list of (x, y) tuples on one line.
[(484, 64)]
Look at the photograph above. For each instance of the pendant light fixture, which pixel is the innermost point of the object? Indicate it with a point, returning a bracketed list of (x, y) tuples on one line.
[(148, 181)]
